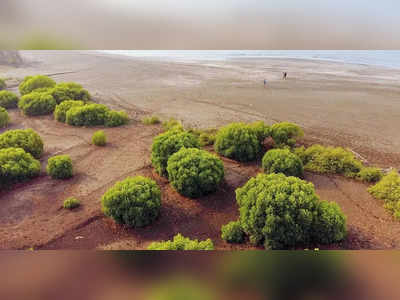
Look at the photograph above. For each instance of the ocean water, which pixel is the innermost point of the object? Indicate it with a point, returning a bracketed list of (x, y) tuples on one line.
[(383, 58)]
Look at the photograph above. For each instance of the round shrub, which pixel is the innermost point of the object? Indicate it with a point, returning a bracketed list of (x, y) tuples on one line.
[(61, 109), (26, 139), (69, 91), (8, 99), (4, 118), (370, 174), (285, 134), (2, 84), (60, 167), (32, 83), (194, 173), (238, 141), (16, 165), (282, 161), (284, 212), (99, 138), (181, 243), (261, 130), (116, 118), (37, 103), (135, 201), (166, 144), (87, 115), (232, 232), (71, 203)]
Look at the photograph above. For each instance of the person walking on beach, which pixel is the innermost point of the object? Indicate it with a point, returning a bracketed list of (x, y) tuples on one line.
[(284, 75), (265, 83)]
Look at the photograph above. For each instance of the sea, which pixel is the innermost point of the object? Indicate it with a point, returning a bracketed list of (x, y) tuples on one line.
[(383, 58)]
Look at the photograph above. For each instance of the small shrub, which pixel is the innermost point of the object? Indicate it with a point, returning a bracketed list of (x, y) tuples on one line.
[(135, 201), (370, 174), (4, 118), (3, 84), (284, 212), (282, 161), (238, 141), (172, 124), (166, 144), (16, 165), (388, 190), (285, 134), (60, 167), (232, 232), (206, 136), (60, 113), (194, 173), (116, 118), (151, 120), (71, 203), (8, 100), (32, 83), (182, 243), (329, 160), (99, 138), (69, 91), (87, 115), (26, 139), (37, 103)]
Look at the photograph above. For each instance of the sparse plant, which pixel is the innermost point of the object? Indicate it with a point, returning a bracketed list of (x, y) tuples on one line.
[(26, 139), (282, 161), (181, 243), (232, 232), (8, 100), (31, 83), (4, 118), (60, 167), (152, 120), (172, 124), (71, 203), (99, 138)]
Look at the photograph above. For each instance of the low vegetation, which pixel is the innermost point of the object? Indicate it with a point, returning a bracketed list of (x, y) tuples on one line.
[(194, 173), (60, 167), (3, 84), (26, 139), (31, 83), (99, 138), (152, 120), (370, 174), (168, 143), (69, 91), (4, 118), (261, 130), (116, 118), (37, 103), (8, 100), (71, 203), (172, 124), (282, 161), (267, 216), (285, 134), (16, 165), (60, 112), (135, 201), (388, 189), (232, 233), (180, 242)]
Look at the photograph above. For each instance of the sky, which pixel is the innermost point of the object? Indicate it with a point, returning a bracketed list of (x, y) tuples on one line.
[(206, 24)]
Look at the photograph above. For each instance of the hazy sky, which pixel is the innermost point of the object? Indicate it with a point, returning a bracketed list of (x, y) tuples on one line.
[(209, 24)]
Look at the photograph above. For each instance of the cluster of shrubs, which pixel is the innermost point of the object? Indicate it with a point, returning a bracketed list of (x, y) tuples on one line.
[(181, 243), (388, 189), (26, 139), (60, 167), (284, 212), (4, 118), (8, 100)]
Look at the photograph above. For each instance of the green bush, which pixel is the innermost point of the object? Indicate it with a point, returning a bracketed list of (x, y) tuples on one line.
[(26, 139), (69, 91), (37, 103), (370, 174), (282, 161), (261, 130), (285, 134), (172, 124), (4, 118), (388, 189), (60, 113), (166, 144), (8, 99), (182, 243), (194, 173), (329, 160), (134, 201), (71, 203), (151, 120), (232, 232), (60, 167), (16, 165), (32, 83), (87, 115), (284, 212), (116, 118), (3, 85), (99, 138), (238, 141)]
